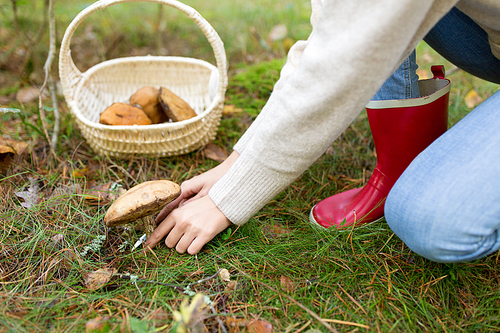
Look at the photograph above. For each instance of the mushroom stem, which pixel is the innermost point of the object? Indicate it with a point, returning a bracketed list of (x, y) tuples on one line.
[(149, 225)]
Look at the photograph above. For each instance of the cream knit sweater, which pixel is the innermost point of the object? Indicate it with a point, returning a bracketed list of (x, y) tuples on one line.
[(327, 80)]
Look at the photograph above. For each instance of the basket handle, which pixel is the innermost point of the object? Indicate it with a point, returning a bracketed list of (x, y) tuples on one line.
[(70, 75)]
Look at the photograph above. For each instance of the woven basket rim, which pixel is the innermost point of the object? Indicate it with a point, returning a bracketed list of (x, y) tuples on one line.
[(168, 125)]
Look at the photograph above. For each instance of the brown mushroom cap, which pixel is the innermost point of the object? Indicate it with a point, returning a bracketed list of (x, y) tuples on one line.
[(124, 114), (141, 200), (147, 98)]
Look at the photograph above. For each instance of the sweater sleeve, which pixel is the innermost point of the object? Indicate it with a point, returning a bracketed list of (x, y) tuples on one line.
[(355, 46)]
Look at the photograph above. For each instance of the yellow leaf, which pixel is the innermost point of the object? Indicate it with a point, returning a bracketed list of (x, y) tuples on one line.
[(230, 109), (472, 99), (287, 44), (79, 173), (190, 314)]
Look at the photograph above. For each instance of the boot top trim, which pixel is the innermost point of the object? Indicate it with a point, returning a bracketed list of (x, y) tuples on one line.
[(431, 90)]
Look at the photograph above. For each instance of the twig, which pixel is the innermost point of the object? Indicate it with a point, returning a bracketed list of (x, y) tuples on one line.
[(57, 118), (175, 286), (132, 277), (48, 79), (453, 70), (162, 26), (206, 279), (221, 324)]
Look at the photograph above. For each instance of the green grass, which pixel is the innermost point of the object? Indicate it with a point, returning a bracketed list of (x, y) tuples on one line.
[(366, 277)]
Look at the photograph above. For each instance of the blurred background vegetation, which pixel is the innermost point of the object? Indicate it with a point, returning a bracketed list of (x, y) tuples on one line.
[(252, 31)]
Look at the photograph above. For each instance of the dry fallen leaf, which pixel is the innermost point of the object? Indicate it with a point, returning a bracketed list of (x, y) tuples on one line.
[(63, 190), (98, 324), (28, 94), (278, 32), (472, 99), (97, 279), (259, 326), (99, 195), (287, 284), (225, 275), (253, 325), (235, 323), (231, 286), (214, 152), (274, 230), (18, 146), (6, 155), (31, 196), (8, 150)]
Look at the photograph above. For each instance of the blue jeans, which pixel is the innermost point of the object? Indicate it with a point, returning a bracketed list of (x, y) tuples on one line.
[(402, 84), (446, 205)]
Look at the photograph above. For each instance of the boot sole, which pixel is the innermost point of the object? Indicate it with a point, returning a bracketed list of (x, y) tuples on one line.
[(315, 224)]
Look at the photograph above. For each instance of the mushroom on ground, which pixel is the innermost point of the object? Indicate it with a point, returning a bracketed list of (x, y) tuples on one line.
[(140, 201)]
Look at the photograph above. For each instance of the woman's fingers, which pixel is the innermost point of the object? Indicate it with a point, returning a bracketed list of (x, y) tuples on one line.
[(160, 232), (198, 243), (191, 226), (198, 186), (162, 215)]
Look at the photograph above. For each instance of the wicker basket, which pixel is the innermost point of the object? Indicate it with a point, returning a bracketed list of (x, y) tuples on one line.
[(199, 83)]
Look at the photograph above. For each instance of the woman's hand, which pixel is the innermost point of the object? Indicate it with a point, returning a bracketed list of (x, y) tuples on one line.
[(191, 226), (197, 220)]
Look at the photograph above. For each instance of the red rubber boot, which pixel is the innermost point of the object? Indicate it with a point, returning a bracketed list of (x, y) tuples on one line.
[(401, 129)]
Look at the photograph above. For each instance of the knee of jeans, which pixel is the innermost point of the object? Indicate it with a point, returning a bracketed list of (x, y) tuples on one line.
[(441, 236), (414, 221)]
